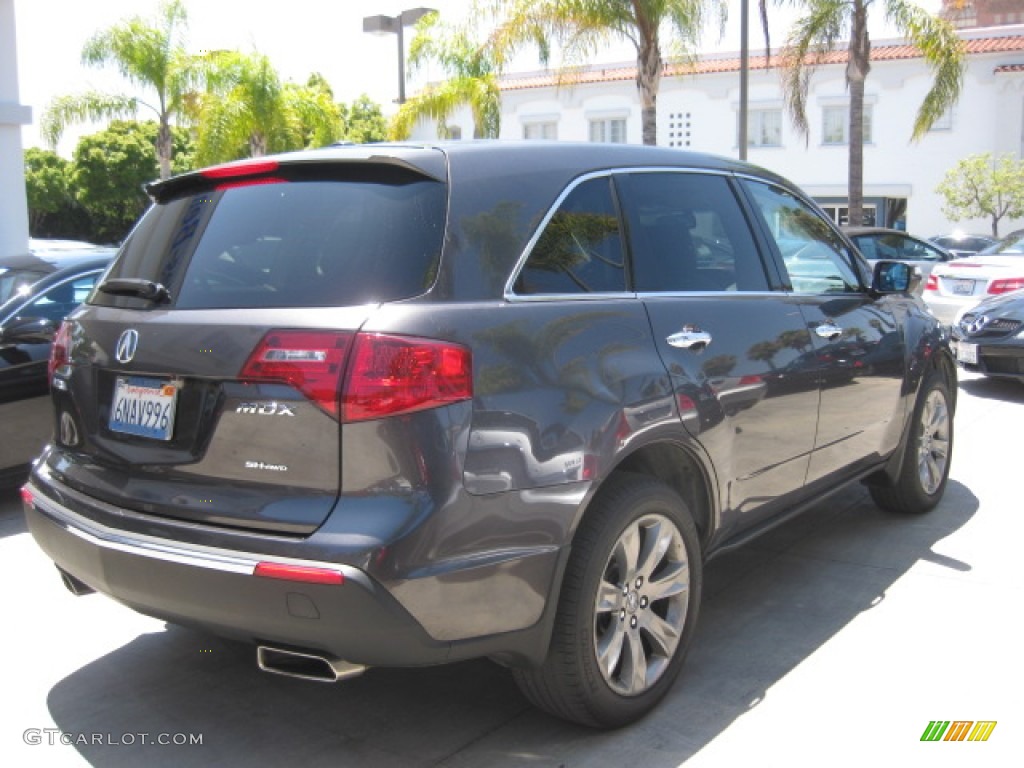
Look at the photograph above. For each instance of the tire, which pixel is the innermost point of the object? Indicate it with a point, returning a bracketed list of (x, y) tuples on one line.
[(929, 449), (630, 597)]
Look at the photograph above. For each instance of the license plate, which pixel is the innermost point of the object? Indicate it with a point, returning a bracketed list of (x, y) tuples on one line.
[(963, 287), (967, 353), (144, 407)]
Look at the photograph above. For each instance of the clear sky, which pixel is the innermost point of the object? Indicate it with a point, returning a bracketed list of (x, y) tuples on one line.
[(299, 36)]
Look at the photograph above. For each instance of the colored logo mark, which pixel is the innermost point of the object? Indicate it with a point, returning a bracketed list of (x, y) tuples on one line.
[(958, 730)]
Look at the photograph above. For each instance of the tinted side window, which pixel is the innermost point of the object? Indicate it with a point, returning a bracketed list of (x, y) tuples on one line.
[(689, 234), (580, 250), (815, 257)]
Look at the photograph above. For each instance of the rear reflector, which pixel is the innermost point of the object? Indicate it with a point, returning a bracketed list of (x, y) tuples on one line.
[(26, 496), (304, 573)]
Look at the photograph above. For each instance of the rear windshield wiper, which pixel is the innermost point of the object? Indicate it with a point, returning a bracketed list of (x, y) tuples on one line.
[(134, 286)]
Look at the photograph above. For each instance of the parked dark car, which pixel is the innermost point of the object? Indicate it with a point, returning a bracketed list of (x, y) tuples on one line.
[(36, 293), (960, 244), (405, 405), (877, 243), (989, 337)]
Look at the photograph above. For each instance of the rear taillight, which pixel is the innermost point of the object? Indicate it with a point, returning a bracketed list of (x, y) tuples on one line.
[(387, 375), (1006, 285), (310, 361), (60, 356), (932, 284)]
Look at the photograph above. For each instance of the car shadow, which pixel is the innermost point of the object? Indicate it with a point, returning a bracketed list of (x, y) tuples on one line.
[(12, 518), (767, 608), (994, 389)]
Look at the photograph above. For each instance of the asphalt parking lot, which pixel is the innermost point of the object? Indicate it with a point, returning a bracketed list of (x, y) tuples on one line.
[(835, 640)]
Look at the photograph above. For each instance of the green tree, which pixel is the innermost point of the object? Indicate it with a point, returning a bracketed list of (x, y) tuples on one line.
[(829, 22), (582, 28), (109, 169), (364, 122), (150, 54), (982, 187), (247, 110), (46, 185), (472, 79)]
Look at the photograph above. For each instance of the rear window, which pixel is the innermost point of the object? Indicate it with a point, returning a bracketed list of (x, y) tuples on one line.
[(290, 244)]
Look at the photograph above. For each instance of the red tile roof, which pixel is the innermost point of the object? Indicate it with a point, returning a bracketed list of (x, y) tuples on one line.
[(707, 65)]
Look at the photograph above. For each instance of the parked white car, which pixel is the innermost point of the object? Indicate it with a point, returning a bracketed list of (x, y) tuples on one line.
[(957, 285)]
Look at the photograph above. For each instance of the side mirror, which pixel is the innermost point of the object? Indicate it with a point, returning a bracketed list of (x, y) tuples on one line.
[(895, 277), (29, 330)]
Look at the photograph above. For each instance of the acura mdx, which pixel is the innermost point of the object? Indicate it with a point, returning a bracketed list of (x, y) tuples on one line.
[(409, 404)]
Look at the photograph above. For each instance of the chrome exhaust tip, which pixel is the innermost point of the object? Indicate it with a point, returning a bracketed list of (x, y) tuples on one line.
[(306, 666)]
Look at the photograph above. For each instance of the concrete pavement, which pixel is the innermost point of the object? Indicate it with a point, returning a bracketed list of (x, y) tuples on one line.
[(832, 641)]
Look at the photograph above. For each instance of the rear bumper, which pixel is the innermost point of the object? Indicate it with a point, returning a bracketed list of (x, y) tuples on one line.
[(215, 590), (499, 605)]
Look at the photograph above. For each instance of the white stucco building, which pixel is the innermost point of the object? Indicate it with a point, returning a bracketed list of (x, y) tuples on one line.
[(698, 109), (13, 115)]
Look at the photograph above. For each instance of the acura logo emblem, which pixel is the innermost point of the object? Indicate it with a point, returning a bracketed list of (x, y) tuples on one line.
[(126, 346)]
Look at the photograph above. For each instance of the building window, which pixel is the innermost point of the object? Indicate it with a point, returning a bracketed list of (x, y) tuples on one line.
[(840, 214), (608, 131), (764, 128), (836, 121), (542, 130)]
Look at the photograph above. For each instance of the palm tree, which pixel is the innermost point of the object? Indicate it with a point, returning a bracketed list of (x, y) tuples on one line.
[(150, 54), (248, 110), (819, 32), (581, 28), (472, 79)]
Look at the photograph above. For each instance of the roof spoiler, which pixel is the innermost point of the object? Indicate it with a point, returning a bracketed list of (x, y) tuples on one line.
[(297, 167)]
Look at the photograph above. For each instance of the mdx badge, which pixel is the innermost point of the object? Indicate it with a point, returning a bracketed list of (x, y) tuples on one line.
[(266, 409), (126, 346)]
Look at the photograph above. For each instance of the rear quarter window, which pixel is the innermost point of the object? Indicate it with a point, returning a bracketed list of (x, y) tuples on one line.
[(290, 244)]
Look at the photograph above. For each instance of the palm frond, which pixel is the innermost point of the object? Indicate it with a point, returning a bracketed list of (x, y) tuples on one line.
[(943, 52), (810, 39), (86, 107)]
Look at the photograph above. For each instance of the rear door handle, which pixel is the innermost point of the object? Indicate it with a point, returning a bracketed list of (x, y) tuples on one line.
[(690, 337)]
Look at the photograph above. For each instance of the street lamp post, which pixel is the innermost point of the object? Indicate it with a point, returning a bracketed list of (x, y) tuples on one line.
[(387, 25)]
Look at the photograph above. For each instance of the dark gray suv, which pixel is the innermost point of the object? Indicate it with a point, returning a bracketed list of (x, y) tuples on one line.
[(403, 405)]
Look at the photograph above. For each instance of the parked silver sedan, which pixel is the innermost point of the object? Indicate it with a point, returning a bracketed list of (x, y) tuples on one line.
[(955, 287)]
